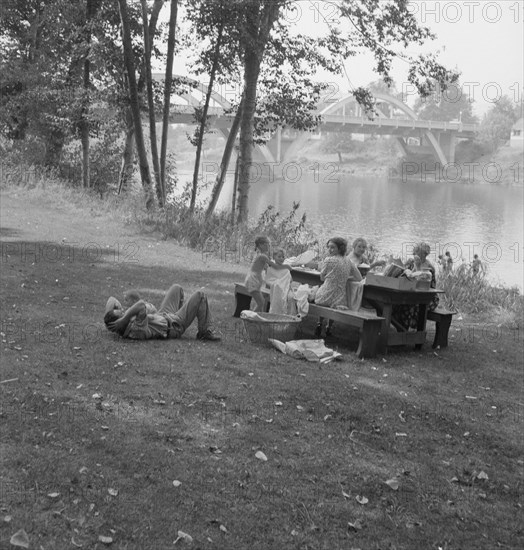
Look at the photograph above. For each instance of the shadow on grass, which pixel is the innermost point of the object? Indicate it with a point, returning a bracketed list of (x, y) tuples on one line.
[(8, 232)]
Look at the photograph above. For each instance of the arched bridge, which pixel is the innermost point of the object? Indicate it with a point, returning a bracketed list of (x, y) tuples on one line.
[(342, 114)]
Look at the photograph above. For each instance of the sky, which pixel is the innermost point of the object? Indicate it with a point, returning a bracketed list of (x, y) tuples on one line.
[(483, 39)]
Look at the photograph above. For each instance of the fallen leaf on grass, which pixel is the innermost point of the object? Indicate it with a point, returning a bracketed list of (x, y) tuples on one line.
[(355, 526), (393, 483), (113, 492), (105, 540), (361, 499), (20, 539), (412, 524), (183, 536), (261, 456)]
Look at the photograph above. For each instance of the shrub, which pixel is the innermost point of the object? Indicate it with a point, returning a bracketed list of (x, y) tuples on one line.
[(475, 293)]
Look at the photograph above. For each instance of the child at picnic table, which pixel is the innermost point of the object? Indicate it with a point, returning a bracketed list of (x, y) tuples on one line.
[(278, 280), (255, 279), (278, 269)]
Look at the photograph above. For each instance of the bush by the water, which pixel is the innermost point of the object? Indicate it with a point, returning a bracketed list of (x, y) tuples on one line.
[(471, 292)]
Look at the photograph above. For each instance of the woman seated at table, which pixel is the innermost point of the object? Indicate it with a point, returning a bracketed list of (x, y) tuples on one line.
[(358, 254), (407, 316), (335, 270)]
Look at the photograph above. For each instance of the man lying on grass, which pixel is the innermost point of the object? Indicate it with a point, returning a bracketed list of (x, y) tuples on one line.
[(142, 321)]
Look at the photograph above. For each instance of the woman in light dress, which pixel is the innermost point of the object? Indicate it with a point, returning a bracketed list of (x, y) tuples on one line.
[(335, 270)]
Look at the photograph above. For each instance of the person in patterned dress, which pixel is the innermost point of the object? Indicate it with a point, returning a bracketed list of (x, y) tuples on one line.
[(335, 270)]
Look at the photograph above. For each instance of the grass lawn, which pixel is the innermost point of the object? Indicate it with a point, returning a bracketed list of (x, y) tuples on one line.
[(414, 450)]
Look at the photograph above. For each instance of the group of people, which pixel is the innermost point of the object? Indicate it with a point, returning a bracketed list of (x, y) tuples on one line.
[(140, 320), (476, 267), (336, 269)]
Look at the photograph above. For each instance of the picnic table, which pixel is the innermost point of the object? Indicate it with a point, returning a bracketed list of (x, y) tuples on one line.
[(383, 299)]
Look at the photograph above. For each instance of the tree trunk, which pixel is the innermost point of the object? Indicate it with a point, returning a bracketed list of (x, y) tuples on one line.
[(247, 128), (202, 128), (54, 146), (153, 20), (135, 106), (167, 92), (84, 121), (126, 171), (226, 157), (259, 24), (234, 194), (151, 104)]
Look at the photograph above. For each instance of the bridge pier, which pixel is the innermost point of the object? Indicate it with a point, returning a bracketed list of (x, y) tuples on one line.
[(448, 142)]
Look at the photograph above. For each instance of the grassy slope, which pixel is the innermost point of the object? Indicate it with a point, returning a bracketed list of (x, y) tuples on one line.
[(198, 412)]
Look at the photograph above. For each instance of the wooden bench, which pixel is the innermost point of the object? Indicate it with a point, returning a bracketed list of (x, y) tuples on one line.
[(442, 319), (369, 324)]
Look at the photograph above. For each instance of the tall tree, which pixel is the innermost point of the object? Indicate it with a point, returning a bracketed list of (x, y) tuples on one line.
[(135, 105), (167, 92), (151, 103), (374, 25), (91, 6), (127, 165), (226, 157), (203, 116), (258, 20)]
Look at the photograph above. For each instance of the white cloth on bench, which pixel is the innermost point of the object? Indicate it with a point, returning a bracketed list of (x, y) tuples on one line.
[(279, 282)]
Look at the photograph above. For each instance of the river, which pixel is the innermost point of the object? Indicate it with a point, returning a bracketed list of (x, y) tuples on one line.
[(465, 219)]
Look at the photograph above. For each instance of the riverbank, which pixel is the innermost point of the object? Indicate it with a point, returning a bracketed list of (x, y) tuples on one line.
[(504, 167), (129, 443)]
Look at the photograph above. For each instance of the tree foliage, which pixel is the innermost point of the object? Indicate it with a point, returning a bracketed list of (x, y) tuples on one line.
[(498, 121), (452, 104), (46, 96)]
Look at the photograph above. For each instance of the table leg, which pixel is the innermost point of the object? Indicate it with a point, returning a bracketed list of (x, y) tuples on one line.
[(421, 320), (387, 310)]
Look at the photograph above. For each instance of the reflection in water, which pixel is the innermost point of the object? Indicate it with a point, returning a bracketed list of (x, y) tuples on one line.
[(465, 219)]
